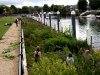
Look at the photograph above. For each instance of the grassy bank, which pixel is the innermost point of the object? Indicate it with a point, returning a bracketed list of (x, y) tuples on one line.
[(55, 63), (4, 20)]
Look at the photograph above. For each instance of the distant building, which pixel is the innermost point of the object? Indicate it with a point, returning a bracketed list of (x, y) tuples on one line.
[(71, 7), (67, 8)]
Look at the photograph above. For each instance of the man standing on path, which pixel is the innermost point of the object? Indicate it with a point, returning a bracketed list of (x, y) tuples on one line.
[(16, 21)]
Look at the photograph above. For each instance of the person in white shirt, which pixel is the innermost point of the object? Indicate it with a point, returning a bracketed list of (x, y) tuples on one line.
[(69, 59)]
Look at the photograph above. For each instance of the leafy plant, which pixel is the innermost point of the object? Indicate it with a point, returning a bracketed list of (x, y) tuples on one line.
[(7, 50), (9, 56), (14, 44)]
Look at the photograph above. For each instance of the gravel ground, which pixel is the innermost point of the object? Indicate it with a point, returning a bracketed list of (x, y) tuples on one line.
[(9, 67)]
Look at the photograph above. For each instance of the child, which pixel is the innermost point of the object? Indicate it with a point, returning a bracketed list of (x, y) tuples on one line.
[(37, 54), (69, 59)]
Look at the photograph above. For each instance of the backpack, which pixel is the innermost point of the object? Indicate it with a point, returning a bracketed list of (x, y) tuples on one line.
[(36, 55)]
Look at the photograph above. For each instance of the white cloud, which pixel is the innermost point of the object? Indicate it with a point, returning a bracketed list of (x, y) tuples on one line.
[(20, 3)]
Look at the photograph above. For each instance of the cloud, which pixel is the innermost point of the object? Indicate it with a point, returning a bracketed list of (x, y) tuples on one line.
[(20, 3)]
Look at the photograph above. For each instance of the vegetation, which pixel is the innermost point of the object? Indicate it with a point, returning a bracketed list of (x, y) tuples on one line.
[(82, 5), (29, 9), (9, 56), (6, 52), (94, 4), (55, 63), (4, 20)]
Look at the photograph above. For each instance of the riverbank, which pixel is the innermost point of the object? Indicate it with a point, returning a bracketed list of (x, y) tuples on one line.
[(37, 34)]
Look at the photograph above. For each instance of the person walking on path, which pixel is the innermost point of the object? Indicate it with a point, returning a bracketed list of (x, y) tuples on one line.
[(16, 21)]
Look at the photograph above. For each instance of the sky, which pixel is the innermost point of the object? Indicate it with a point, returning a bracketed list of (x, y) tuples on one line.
[(20, 3)]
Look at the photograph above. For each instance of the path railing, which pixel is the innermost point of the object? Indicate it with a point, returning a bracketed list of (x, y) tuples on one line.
[(20, 67), (22, 70)]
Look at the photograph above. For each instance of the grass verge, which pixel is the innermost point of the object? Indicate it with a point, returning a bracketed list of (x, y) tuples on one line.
[(4, 20)]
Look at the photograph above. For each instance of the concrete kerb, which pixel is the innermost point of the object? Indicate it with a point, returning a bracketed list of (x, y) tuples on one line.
[(24, 56)]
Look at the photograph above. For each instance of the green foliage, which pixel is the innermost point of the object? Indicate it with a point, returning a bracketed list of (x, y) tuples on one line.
[(54, 63), (86, 67), (49, 66), (25, 9), (9, 56), (62, 9), (14, 44), (94, 4), (46, 8), (82, 5), (7, 50), (37, 34), (49, 45), (37, 8), (13, 9)]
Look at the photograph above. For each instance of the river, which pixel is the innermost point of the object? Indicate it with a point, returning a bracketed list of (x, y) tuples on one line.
[(81, 26)]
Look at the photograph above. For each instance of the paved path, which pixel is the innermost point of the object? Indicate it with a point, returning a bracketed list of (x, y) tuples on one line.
[(9, 67)]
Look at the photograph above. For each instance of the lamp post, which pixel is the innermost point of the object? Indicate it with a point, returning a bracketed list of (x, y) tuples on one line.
[(73, 23)]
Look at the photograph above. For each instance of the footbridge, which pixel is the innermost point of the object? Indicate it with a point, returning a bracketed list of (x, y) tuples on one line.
[(88, 11)]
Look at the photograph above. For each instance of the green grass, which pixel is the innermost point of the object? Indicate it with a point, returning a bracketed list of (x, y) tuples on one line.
[(3, 28)]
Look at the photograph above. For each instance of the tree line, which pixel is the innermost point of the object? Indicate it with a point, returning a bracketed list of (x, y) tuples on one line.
[(29, 9), (81, 4)]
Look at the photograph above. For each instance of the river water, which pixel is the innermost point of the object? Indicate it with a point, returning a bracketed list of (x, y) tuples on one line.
[(81, 27)]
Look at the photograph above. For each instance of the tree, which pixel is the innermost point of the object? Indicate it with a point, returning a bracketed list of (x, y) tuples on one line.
[(62, 9), (37, 8), (25, 9), (11, 11), (14, 9), (94, 4), (54, 8), (19, 10), (51, 8), (2, 7), (82, 5), (46, 8), (31, 9)]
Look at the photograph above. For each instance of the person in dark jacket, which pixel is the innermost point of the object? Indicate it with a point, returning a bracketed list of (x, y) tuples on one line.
[(58, 48), (16, 21)]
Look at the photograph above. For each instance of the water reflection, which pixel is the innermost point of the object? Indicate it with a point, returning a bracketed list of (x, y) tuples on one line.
[(94, 26), (81, 26), (82, 21)]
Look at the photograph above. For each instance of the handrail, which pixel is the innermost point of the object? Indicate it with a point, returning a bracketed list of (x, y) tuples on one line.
[(20, 62)]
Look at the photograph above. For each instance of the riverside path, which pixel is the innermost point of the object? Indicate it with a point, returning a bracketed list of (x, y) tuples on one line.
[(9, 67)]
